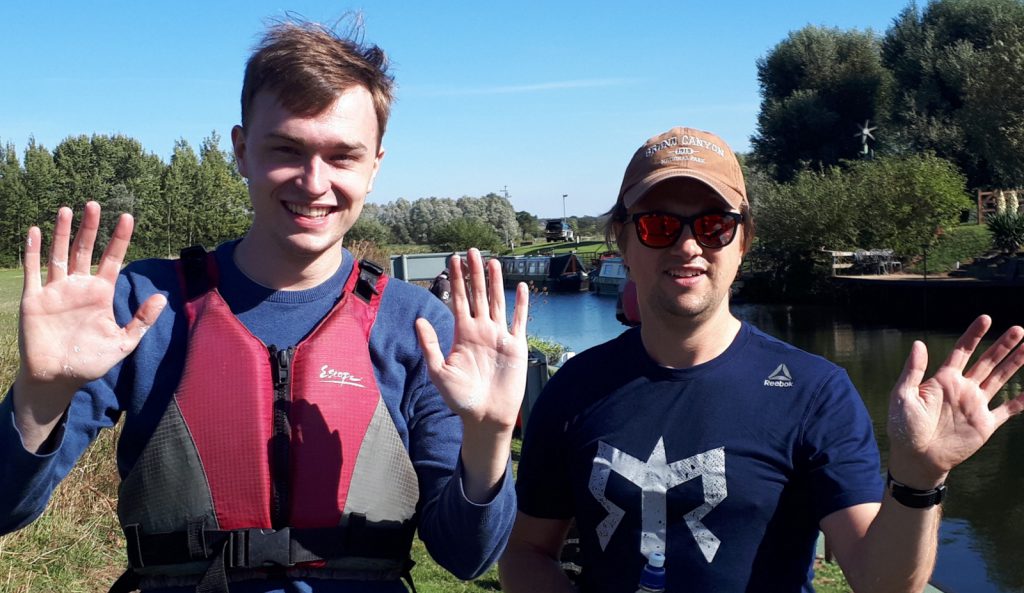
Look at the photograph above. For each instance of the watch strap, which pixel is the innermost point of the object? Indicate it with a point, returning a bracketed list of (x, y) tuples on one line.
[(914, 498)]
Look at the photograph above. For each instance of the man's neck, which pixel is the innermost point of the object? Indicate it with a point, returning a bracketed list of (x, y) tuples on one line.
[(283, 271), (682, 343)]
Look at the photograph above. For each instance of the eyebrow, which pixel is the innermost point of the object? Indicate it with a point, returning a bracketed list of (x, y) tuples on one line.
[(341, 144)]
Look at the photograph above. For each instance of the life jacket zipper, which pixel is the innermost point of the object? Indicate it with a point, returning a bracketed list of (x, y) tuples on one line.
[(280, 470)]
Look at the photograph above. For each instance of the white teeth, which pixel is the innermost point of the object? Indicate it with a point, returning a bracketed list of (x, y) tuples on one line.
[(303, 210), (685, 274)]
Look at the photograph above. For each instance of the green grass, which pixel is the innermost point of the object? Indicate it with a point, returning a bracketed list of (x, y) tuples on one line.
[(828, 578), (76, 546), (585, 249)]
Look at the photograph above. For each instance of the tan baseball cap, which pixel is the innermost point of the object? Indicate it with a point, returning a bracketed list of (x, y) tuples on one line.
[(684, 152)]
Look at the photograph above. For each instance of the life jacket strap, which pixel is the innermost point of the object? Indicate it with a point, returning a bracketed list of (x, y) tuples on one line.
[(195, 272), (369, 274), (266, 548)]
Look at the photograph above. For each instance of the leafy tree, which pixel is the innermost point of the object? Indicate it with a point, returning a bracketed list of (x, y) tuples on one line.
[(817, 86), (899, 203), (148, 239), (222, 198), (119, 200), (993, 114), (904, 202), (428, 214), (587, 226), (945, 58), (42, 187), (529, 225), (493, 210), (13, 206), (462, 233), (80, 177), (177, 204), (370, 230), (395, 216)]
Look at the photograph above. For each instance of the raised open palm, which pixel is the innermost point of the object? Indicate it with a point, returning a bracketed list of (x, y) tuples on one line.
[(936, 424), (67, 331), (484, 377)]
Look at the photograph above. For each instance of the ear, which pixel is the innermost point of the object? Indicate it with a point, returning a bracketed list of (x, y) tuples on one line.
[(376, 168), (238, 144)]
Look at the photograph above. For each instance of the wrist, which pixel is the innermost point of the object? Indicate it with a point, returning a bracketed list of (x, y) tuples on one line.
[(915, 472), (915, 498)]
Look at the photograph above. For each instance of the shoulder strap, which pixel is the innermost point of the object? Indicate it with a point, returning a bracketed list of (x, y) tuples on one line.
[(197, 274), (369, 276)]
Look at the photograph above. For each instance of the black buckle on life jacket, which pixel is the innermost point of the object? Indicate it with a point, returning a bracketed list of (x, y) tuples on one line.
[(260, 548), (193, 261), (366, 286)]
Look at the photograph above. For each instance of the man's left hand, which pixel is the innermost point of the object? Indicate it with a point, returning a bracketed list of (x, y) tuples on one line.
[(935, 425), (483, 379)]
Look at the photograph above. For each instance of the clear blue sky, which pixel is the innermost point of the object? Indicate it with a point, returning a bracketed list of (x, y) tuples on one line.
[(541, 98)]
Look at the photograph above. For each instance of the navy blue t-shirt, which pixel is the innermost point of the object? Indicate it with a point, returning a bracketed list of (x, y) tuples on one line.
[(726, 467)]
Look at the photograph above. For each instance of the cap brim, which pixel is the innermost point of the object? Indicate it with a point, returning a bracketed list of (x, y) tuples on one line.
[(730, 197)]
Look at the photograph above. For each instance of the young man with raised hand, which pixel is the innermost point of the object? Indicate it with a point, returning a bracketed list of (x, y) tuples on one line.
[(290, 416), (723, 448)]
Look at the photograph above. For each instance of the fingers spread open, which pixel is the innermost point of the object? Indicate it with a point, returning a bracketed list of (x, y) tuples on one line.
[(913, 369), (146, 315), (32, 280), (460, 308), (117, 248), (496, 290), (1008, 410), (1001, 361), (522, 310), (477, 283), (967, 343), (57, 268), (81, 250), (432, 354)]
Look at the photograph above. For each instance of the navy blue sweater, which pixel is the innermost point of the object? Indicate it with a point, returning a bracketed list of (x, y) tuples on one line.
[(464, 537)]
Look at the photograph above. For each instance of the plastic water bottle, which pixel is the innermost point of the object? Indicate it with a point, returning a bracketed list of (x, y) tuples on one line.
[(652, 578)]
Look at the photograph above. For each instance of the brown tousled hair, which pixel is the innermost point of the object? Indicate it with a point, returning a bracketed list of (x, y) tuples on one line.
[(308, 65)]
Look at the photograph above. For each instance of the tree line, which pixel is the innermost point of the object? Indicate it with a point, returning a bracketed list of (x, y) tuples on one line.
[(871, 141), (944, 79), (198, 198)]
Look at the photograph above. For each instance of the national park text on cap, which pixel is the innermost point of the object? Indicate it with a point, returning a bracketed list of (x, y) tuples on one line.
[(684, 152)]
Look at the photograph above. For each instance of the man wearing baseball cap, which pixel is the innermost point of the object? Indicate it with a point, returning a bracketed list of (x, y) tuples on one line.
[(723, 448)]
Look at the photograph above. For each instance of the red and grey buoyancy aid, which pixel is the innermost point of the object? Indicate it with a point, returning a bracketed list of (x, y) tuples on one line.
[(271, 461)]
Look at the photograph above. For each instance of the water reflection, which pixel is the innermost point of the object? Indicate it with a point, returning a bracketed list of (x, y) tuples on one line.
[(983, 527)]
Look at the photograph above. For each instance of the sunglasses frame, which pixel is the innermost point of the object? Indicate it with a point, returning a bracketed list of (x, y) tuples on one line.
[(686, 221)]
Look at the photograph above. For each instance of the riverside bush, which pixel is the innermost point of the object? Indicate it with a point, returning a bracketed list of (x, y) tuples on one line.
[(897, 203), (1007, 231)]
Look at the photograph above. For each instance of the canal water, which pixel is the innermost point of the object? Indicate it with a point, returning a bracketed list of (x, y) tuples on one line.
[(982, 534)]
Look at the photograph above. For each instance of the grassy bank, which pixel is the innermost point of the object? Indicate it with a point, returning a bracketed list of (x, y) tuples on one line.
[(76, 546)]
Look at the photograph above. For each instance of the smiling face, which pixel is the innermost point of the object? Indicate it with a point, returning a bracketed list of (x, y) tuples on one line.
[(308, 180), (683, 283)]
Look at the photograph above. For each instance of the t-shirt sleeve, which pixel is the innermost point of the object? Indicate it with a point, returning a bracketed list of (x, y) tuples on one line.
[(543, 480), (839, 448)]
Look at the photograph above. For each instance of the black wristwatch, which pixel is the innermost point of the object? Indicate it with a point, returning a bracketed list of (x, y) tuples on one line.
[(914, 498)]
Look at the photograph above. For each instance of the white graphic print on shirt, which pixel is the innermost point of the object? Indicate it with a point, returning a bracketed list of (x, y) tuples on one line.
[(655, 477)]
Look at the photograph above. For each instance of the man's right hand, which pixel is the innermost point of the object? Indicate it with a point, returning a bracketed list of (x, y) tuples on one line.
[(67, 333)]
